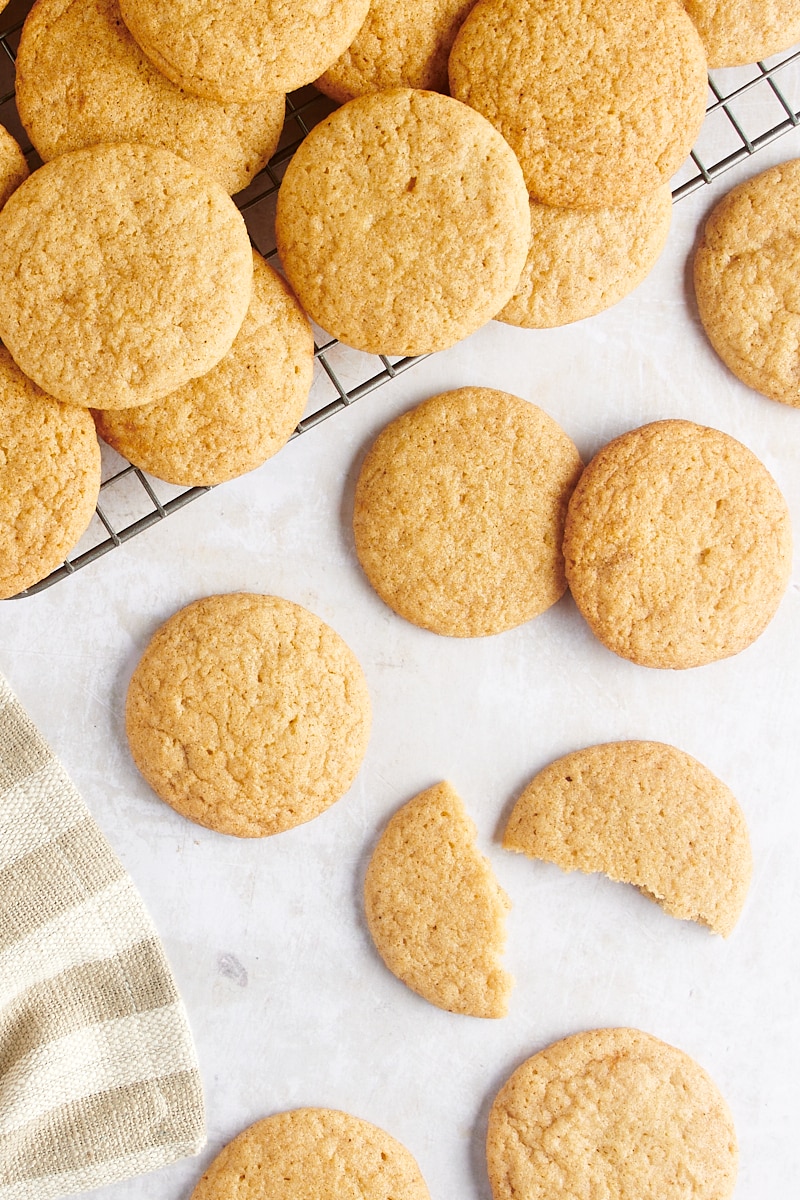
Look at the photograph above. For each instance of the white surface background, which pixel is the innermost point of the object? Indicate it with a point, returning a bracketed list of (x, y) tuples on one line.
[(289, 1002)]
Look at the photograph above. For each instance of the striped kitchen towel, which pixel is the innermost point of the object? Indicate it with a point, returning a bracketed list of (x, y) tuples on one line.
[(98, 1075)]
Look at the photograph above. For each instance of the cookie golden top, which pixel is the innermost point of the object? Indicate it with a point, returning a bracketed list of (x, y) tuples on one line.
[(402, 43), (82, 79), (677, 545), (403, 222), (124, 272), (744, 31), (235, 50), (582, 261), (459, 512), (313, 1154), (237, 415), (435, 910), (13, 167), (612, 1112), (600, 100), (746, 281), (49, 479), (644, 813), (248, 714)]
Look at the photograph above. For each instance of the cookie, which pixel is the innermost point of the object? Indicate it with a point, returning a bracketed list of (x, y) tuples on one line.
[(241, 51), (82, 79), (613, 1113), (248, 714), (124, 273), (49, 479), (677, 545), (13, 167), (459, 512), (745, 279), (744, 31), (435, 910), (582, 261), (238, 415), (403, 222), (643, 813), (313, 1154), (400, 44), (600, 101)]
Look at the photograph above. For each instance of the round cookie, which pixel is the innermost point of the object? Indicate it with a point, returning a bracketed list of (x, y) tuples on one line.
[(400, 44), (49, 479), (435, 910), (238, 415), (248, 714), (13, 167), (403, 222), (600, 101), (677, 545), (313, 1154), (582, 261), (82, 79), (240, 51), (611, 1112), (124, 272), (745, 279), (744, 31), (459, 512), (643, 813)]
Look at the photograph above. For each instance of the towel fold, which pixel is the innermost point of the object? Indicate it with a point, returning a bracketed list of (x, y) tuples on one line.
[(98, 1073)]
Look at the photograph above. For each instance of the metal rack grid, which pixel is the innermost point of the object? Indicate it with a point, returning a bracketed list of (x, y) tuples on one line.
[(748, 108)]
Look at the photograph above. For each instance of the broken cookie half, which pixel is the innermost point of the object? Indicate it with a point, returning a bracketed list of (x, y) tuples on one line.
[(643, 813), (435, 910)]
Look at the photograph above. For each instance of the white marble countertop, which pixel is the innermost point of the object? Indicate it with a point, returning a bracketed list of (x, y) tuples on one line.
[(289, 1003)]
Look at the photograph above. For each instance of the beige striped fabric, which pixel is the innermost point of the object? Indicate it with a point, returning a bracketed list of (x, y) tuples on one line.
[(98, 1075)]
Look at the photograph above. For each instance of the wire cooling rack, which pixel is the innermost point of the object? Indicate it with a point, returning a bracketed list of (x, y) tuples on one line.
[(748, 108)]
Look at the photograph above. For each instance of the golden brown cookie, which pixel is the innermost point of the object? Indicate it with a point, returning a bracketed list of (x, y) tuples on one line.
[(313, 1154), (459, 512), (601, 101), (13, 167), (248, 714), (124, 273), (746, 281), (677, 545), (240, 51), (582, 261), (643, 813), (49, 479), (744, 31), (612, 1113), (238, 415), (82, 79), (435, 910), (402, 43), (403, 222)]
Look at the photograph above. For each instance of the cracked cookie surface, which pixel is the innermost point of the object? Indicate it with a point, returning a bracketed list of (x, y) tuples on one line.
[(13, 167), (82, 79), (643, 813), (235, 50), (459, 512), (313, 1154), (124, 272), (677, 545), (248, 714), (49, 479), (241, 412), (403, 222), (434, 908), (611, 1112), (746, 272), (600, 101)]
